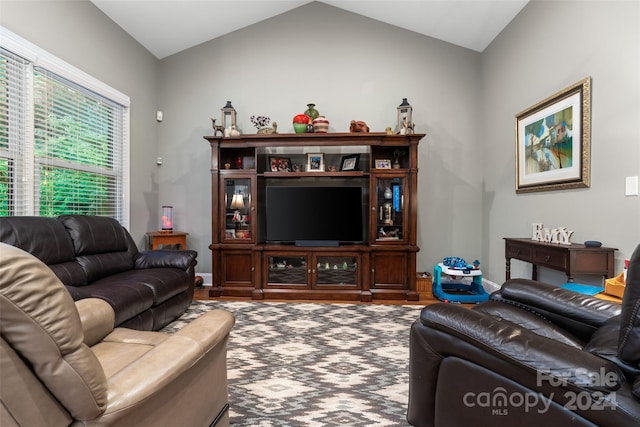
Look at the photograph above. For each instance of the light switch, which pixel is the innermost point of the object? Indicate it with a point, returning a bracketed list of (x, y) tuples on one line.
[(631, 186), (159, 115)]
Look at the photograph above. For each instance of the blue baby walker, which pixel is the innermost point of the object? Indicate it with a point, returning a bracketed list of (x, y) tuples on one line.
[(463, 284)]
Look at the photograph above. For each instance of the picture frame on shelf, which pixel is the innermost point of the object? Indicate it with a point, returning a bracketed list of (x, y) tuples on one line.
[(243, 234), (315, 162), (553, 141), (350, 162), (279, 164), (383, 164)]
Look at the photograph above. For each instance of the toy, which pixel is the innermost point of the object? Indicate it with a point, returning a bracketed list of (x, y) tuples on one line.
[(464, 284)]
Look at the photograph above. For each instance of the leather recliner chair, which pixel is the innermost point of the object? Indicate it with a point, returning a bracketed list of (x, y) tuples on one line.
[(535, 354), (63, 363)]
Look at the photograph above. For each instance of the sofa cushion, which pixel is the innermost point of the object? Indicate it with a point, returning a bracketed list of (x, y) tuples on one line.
[(94, 234), (101, 245), (46, 239), (629, 344), (528, 320), (69, 273), (39, 320), (127, 299), (100, 266)]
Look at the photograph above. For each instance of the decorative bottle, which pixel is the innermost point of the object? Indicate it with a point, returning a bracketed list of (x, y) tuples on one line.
[(312, 112)]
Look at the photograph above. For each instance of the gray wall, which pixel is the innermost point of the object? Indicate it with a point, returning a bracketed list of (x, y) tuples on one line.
[(351, 67), (356, 68), (546, 48), (80, 34)]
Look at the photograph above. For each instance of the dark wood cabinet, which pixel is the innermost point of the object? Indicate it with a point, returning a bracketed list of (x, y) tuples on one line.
[(245, 264), (573, 260)]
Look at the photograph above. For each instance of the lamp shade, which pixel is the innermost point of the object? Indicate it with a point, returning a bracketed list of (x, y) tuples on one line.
[(167, 218), (237, 202)]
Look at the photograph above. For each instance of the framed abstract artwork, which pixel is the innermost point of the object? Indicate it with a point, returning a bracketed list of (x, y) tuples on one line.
[(350, 162), (553, 141)]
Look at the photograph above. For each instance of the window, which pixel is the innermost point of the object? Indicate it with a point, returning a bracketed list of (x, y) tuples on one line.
[(63, 138), (12, 103)]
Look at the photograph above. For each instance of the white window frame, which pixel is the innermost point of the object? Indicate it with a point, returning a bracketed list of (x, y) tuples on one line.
[(40, 58)]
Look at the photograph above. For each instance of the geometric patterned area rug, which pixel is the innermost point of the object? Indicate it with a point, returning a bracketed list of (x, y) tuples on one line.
[(313, 365)]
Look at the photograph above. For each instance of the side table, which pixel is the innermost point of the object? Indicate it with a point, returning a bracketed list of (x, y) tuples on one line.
[(158, 238), (572, 259)]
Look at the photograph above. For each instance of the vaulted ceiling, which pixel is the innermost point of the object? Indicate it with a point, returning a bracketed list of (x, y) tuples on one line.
[(165, 27)]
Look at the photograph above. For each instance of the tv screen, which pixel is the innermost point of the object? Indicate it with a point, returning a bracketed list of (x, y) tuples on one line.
[(295, 214)]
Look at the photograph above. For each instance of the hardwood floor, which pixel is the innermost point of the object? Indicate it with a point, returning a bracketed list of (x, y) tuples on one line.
[(202, 293)]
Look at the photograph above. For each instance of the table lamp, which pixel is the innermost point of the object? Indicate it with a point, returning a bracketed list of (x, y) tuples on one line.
[(167, 219), (237, 203)]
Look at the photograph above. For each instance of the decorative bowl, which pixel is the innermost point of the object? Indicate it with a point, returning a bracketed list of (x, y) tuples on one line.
[(300, 127)]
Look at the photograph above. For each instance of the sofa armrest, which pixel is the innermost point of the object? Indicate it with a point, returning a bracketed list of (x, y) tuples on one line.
[(155, 373), (579, 314), (97, 318), (183, 259), (522, 349)]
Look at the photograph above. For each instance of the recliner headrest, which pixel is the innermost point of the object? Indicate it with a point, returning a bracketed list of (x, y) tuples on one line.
[(95, 234), (44, 238), (39, 320)]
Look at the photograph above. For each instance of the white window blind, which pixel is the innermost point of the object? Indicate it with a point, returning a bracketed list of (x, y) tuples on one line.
[(78, 149), (13, 105), (63, 141)]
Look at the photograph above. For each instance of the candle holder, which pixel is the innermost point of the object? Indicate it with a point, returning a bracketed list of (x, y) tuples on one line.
[(405, 123), (228, 118)]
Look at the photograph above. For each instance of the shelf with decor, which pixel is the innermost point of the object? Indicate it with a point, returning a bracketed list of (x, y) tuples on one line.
[(286, 206)]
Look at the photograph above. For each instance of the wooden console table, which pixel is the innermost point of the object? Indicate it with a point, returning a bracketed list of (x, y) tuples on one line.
[(573, 259)]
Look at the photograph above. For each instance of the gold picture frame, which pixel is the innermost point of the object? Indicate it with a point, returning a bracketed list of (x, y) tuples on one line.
[(383, 164), (553, 141)]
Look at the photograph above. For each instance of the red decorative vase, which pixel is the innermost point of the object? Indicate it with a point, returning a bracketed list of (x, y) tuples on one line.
[(300, 122)]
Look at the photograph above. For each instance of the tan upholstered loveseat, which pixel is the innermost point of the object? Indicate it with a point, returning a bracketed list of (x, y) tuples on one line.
[(62, 363)]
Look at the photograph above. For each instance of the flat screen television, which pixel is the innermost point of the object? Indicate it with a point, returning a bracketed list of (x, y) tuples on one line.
[(314, 215)]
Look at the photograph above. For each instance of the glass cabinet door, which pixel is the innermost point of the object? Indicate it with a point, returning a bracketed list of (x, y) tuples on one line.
[(290, 270), (336, 271), (389, 204), (238, 209)]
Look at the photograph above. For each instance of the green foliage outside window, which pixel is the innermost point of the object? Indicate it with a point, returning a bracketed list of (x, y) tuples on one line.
[(67, 191), (5, 187), (74, 150), (75, 147)]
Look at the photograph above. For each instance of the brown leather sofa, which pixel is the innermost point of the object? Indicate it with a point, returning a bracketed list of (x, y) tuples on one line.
[(63, 364), (95, 257), (535, 354)]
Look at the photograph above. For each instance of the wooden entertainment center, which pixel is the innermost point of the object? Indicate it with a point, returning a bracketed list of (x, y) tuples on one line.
[(382, 266)]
